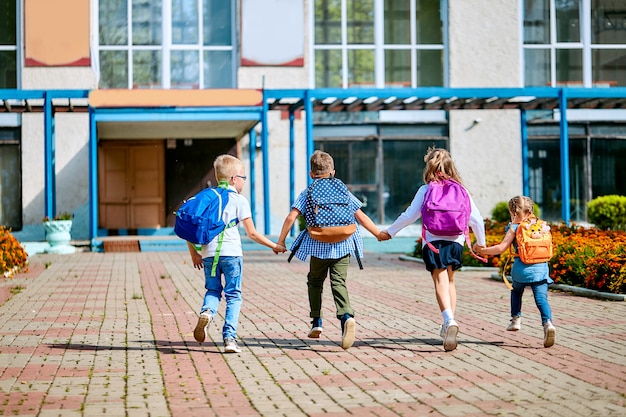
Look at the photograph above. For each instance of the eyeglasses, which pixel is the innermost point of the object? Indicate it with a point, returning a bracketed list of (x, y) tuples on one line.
[(243, 177)]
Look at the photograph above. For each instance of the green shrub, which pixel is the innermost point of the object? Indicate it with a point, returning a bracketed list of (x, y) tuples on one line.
[(608, 212), (500, 212)]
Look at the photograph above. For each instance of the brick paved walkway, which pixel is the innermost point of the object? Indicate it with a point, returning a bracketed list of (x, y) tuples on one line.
[(93, 334)]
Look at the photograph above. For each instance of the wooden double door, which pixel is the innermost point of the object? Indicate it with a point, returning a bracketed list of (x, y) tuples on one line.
[(131, 184)]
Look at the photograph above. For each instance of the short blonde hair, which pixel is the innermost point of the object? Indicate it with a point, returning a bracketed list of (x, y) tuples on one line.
[(226, 166), (321, 163), (439, 166), (523, 205)]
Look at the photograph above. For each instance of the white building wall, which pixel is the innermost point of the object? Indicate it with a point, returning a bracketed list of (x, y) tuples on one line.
[(484, 51)]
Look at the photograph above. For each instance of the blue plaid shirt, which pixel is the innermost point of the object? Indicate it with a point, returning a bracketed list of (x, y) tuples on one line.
[(309, 246)]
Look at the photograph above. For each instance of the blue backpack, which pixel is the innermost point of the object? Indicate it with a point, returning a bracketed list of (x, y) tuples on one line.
[(199, 219), (328, 215)]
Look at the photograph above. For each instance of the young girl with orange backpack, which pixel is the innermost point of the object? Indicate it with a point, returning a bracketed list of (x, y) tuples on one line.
[(533, 275)]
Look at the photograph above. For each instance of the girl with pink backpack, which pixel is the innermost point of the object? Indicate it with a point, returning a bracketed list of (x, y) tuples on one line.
[(447, 210)]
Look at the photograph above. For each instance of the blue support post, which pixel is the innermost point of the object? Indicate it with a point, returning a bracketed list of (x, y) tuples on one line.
[(252, 176), (564, 142), (525, 168), (308, 109), (266, 174), (93, 176), (49, 158), (292, 164)]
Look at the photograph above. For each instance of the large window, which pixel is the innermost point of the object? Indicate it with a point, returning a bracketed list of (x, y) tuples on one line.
[(8, 44), (575, 43), (11, 178), (378, 43), (184, 44), (381, 164), (597, 157)]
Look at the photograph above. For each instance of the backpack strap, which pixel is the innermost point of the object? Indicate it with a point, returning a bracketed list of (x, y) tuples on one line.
[(220, 239), (468, 240)]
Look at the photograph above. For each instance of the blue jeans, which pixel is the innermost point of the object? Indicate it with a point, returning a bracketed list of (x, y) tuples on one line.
[(540, 292), (231, 267)]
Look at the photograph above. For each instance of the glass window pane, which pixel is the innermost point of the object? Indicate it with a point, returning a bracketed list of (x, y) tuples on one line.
[(8, 69), (361, 68), (184, 22), (397, 22), (147, 15), (185, 69), (113, 16), (567, 21), (217, 22), (536, 67), (608, 22), (609, 67), (328, 68), (360, 21), (327, 22), (113, 69), (429, 68), (537, 22), (428, 20), (218, 69), (10, 185), (609, 159), (147, 69), (8, 18), (398, 68), (569, 66), (403, 162)]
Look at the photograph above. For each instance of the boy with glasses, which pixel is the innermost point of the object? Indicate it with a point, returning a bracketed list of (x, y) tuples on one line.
[(229, 172)]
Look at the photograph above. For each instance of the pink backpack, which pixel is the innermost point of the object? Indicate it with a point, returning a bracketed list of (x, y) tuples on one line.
[(446, 212)]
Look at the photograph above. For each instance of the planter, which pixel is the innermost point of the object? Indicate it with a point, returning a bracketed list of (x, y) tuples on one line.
[(58, 236)]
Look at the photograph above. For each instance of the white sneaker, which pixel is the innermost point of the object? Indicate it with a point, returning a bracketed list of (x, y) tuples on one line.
[(230, 346), (515, 324), (199, 333), (450, 330), (549, 334)]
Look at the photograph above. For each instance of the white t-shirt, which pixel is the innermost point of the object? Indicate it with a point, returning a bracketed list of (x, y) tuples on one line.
[(238, 207)]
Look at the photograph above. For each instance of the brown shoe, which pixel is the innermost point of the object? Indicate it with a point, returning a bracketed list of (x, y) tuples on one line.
[(199, 332)]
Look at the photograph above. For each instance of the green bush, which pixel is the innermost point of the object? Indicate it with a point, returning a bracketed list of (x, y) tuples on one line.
[(608, 212), (500, 212)]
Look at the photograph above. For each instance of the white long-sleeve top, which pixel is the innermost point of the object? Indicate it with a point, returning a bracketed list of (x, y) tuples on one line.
[(414, 212)]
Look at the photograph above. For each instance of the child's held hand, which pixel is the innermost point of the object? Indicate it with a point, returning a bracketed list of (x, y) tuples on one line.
[(384, 235), (196, 258), (478, 248), (279, 248)]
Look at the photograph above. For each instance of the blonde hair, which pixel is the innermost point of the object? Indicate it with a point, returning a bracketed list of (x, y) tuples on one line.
[(521, 205), (226, 166), (439, 166), (321, 163)]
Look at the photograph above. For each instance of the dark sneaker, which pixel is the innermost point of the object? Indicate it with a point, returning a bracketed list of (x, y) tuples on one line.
[(199, 332), (450, 331), (549, 334), (230, 346), (348, 330), (316, 328)]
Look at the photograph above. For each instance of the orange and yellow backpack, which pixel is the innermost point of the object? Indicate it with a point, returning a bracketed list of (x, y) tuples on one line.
[(534, 241)]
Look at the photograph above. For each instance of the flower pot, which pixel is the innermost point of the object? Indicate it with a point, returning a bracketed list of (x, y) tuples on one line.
[(58, 236)]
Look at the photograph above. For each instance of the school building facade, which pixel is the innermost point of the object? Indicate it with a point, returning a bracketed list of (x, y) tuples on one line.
[(114, 110)]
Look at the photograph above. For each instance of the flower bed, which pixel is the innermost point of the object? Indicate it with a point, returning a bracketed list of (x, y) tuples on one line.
[(583, 257), (13, 258)]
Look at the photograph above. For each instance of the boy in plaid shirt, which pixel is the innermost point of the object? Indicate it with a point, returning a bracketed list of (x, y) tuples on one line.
[(327, 257)]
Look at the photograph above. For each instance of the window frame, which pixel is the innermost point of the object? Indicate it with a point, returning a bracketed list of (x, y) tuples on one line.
[(379, 47), (166, 47)]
